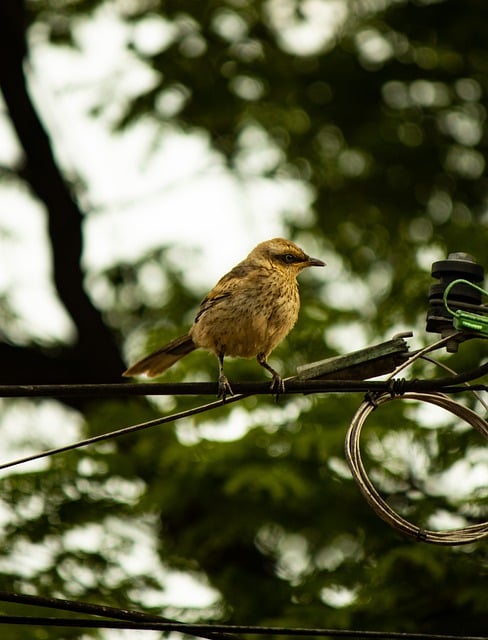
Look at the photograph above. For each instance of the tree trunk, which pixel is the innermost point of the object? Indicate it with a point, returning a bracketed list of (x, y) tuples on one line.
[(94, 356)]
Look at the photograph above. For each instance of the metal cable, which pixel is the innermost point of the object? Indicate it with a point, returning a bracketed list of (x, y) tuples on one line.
[(204, 630), (112, 617), (126, 618), (117, 433), (460, 536), (463, 535), (378, 392)]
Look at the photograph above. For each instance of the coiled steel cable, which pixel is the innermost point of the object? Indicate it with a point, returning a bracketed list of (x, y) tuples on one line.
[(459, 536)]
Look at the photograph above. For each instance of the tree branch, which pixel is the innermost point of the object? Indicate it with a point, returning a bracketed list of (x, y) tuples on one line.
[(95, 353)]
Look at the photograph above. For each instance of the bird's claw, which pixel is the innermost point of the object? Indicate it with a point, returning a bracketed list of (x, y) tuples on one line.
[(224, 389), (277, 385)]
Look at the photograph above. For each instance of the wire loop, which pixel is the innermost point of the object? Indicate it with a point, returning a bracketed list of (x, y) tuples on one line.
[(464, 535)]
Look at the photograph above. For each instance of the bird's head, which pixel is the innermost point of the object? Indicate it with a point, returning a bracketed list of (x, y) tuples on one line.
[(283, 255)]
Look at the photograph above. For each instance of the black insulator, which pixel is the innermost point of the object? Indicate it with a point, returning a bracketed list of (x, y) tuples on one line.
[(461, 296)]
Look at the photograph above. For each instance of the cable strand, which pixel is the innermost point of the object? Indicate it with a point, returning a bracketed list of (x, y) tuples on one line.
[(122, 432), (204, 630), (397, 390)]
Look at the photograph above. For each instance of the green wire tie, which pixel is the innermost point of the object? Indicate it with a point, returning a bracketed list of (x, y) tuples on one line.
[(467, 319)]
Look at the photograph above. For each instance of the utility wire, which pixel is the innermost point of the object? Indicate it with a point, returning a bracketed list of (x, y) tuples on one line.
[(466, 384), (293, 386), (130, 616), (463, 535), (331, 385), (203, 630), (122, 432), (378, 392), (133, 619)]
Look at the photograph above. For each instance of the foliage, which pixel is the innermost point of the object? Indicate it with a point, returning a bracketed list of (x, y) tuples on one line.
[(384, 123)]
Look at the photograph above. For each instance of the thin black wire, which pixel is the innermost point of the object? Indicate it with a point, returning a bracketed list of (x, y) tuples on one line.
[(440, 384), (129, 615), (122, 432), (458, 536), (104, 390), (205, 629), (114, 390), (125, 619), (132, 619), (293, 385)]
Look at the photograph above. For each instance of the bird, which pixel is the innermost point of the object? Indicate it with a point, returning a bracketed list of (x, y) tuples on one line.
[(247, 314)]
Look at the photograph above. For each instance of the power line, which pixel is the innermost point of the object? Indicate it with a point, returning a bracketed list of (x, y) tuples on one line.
[(208, 630), (138, 620), (448, 384), (113, 390), (463, 535), (121, 432), (346, 374), (377, 392), (394, 387), (130, 616)]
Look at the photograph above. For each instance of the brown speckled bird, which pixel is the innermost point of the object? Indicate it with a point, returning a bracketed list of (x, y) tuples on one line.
[(247, 314)]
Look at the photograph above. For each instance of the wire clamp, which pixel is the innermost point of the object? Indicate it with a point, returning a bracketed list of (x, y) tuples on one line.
[(371, 398), (467, 320), (397, 387), (421, 535)]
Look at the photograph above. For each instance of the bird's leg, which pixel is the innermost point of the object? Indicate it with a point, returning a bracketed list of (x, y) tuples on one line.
[(224, 386), (277, 383)]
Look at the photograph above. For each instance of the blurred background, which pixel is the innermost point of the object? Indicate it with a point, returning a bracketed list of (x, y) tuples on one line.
[(145, 148)]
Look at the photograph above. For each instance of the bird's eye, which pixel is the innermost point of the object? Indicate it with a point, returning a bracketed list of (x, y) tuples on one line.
[(289, 258)]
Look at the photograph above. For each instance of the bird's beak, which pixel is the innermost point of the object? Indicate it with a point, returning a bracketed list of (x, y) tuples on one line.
[(314, 262)]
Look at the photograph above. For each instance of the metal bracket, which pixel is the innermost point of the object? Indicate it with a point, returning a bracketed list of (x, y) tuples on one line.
[(360, 365)]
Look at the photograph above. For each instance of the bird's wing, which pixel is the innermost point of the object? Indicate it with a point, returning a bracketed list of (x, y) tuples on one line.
[(230, 284), (208, 302)]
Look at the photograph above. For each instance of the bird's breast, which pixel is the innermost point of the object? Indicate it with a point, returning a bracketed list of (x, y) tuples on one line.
[(250, 320)]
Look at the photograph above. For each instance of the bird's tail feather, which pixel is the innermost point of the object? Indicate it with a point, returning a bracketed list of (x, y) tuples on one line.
[(162, 359)]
